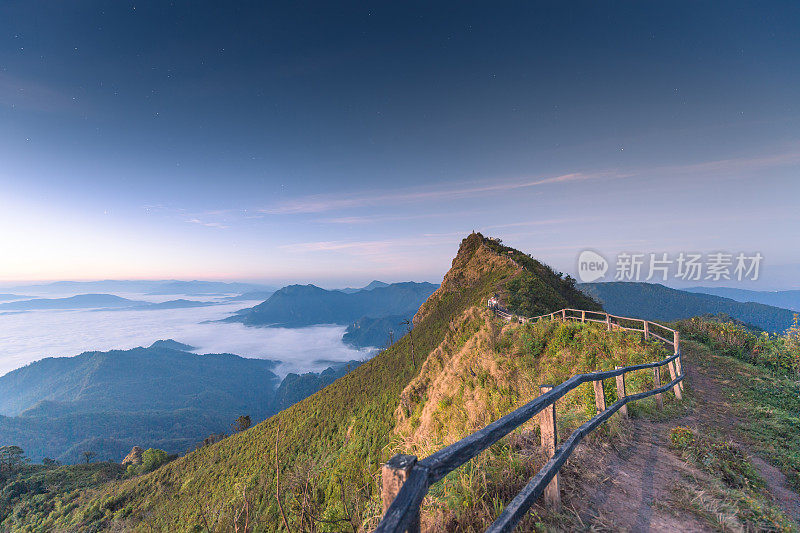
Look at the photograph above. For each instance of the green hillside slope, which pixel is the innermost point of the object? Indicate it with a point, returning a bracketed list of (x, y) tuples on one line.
[(333, 441)]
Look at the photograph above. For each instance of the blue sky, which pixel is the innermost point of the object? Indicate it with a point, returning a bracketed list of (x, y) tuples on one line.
[(341, 142)]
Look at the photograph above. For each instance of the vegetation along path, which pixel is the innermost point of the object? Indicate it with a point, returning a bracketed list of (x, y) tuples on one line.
[(646, 481)]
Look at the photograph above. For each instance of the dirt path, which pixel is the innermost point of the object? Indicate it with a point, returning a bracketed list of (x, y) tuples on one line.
[(628, 492), (631, 487)]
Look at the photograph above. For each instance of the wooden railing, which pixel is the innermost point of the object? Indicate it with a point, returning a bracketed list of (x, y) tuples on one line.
[(405, 480)]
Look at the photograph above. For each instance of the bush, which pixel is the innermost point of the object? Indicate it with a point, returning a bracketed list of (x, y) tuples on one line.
[(152, 459), (778, 352), (681, 437)]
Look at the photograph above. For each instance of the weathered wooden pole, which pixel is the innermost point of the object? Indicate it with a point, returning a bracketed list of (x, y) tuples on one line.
[(676, 341), (646, 330), (673, 374), (393, 475), (547, 425), (621, 392), (657, 384), (599, 396), (608, 322), (564, 315), (583, 316)]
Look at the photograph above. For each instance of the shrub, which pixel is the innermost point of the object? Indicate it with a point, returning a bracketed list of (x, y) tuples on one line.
[(152, 459), (778, 352), (681, 437)]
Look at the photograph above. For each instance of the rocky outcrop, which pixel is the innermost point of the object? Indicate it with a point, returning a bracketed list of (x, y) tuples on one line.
[(134, 457)]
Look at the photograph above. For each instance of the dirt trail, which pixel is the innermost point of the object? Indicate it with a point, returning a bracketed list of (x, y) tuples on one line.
[(630, 488), (625, 490)]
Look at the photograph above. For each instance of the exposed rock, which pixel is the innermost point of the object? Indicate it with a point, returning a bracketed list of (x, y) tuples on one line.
[(133, 458)]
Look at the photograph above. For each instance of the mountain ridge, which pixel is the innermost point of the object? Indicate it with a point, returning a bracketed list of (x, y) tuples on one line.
[(658, 302), (305, 305)]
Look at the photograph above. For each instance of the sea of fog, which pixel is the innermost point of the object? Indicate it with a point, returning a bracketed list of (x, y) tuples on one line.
[(32, 335)]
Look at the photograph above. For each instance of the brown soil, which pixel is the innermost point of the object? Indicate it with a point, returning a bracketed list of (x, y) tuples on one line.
[(631, 487)]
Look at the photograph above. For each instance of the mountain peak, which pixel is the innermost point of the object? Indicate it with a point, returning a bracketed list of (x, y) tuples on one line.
[(484, 267)]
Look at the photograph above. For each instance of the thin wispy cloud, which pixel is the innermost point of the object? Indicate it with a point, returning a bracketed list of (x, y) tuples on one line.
[(375, 219), (789, 156), (218, 225), (323, 203)]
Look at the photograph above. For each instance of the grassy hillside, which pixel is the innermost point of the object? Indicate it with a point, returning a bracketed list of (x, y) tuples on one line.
[(486, 368), (657, 302), (330, 445)]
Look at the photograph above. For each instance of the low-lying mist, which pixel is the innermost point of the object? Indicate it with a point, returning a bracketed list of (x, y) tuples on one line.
[(29, 336)]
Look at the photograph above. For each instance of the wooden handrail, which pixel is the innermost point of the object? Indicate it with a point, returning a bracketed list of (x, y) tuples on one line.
[(404, 509), (515, 510)]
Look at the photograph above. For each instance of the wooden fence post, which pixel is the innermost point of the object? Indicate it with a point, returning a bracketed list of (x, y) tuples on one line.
[(676, 341), (547, 425), (621, 392), (393, 475), (583, 316), (608, 322), (657, 384), (673, 374), (564, 315), (646, 330), (599, 396)]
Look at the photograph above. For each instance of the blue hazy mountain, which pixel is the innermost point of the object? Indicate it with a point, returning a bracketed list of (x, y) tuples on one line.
[(195, 287), (7, 297), (161, 396), (250, 295), (207, 287), (174, 304), (374, 284), (81, 301), (304, 305), (657, 302), (73, 287), (787, 299), (171, 344)]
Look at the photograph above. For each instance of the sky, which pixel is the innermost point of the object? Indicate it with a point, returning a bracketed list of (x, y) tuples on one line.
[(337, 142)]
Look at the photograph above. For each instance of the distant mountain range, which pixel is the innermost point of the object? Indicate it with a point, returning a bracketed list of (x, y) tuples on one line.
[(304, 305), (194, 287), (786, 299), (657, 302), (160, 396), (6, 297), (374, 284), (207, 287), (98, 301), (81, 301), (250, 295)]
